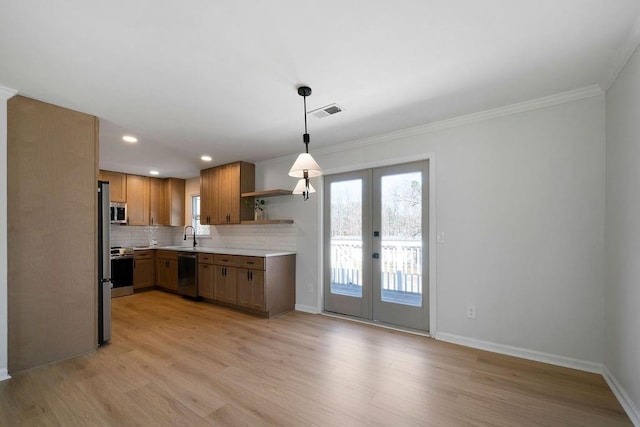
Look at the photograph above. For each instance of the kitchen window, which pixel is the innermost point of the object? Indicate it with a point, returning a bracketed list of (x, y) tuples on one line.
[(201, 230)]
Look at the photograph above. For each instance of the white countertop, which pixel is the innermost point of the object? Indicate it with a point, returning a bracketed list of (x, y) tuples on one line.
[(226, 251)]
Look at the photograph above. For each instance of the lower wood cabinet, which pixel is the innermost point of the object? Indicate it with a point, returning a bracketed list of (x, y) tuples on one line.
[(225, 284), (206, 276), (261, 285), (251, 289), (167, 270), (264, 285), (144, 266)]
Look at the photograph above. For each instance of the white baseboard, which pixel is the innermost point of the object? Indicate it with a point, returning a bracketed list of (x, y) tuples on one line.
[(4, 375), (307, 309), (629, 406), (553, 359)]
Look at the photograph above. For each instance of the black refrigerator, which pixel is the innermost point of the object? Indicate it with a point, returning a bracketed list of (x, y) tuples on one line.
[(104, 264)]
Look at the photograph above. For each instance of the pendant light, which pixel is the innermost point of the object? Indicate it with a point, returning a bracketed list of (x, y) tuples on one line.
[(305, 166), (303, 187)]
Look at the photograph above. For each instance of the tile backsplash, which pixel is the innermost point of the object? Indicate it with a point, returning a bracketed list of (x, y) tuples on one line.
[(129, 236), (280, 237)]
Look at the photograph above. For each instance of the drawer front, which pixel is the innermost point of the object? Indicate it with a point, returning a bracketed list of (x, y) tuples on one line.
[(252, 262), (230, 260), (205, 258), (143, 254), (171, 255)]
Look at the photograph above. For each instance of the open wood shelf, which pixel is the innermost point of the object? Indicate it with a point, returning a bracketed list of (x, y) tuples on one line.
[(267, 193)]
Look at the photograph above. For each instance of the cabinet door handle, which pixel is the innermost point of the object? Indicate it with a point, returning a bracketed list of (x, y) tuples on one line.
[(251, 275), (151, 220), (248, 277)]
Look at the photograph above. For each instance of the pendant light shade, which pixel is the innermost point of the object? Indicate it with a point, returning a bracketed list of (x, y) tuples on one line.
[(301, 188), (305, 166), (305, 163)]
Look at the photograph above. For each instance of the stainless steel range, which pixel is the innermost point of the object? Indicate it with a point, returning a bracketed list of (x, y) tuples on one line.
[(121, 271)]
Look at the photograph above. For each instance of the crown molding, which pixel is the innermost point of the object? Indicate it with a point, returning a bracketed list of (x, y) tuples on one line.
[(6, 93), (534, 104), (623, 54)]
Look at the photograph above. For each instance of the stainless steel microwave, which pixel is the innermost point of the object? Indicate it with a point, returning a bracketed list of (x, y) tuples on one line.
[(118, 213)]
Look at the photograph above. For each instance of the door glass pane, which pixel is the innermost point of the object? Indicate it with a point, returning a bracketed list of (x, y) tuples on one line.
[(346, 238), (401, 238)]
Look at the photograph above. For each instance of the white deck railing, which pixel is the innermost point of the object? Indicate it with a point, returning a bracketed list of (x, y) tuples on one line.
[(401, 263)]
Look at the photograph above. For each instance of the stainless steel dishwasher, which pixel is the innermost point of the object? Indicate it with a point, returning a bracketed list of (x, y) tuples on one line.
[(187, 274)]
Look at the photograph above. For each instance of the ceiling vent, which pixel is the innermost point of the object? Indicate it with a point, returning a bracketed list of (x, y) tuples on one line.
[(326, 111)]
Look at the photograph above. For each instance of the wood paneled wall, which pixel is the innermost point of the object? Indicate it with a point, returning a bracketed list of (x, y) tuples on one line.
[(52, 233)]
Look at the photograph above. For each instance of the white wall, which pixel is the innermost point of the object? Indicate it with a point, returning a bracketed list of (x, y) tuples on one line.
[(622, 289), (520, 198)]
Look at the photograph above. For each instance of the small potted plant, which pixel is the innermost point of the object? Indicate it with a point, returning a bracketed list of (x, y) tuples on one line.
[(259, 206)]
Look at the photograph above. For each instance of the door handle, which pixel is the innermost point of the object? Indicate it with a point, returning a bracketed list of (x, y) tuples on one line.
[(376, 255)]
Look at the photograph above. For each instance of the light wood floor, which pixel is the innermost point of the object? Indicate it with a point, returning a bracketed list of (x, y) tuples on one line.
[(175, 362)]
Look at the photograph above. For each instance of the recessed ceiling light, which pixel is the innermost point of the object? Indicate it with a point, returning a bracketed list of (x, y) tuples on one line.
[(129, 138), (154, 172), (206, 158)]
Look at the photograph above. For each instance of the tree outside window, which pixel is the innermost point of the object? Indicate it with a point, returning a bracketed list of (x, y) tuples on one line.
[(201, 230)]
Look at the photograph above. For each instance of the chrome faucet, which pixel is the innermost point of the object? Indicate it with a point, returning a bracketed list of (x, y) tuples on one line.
[(194, 234)]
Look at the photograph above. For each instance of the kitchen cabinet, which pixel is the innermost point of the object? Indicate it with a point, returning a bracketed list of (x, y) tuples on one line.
[(220, 189), (117, 185), (250, 285), (143, 269), (226, 273), (174, 201), (206, 276), (158, 212), (263, 285), (167, 270), (138, 188), (208, 193), (155, 201)]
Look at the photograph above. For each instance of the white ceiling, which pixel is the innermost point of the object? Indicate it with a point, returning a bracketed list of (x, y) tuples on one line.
[(219, 77)]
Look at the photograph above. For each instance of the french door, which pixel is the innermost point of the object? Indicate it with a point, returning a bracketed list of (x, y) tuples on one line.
[(375, 244)]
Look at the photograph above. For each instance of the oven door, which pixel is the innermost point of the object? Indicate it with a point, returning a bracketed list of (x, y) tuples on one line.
[(122, 276)]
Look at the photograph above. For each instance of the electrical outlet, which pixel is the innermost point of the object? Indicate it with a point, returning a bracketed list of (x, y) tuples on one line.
[(471, 312), (440, 237)]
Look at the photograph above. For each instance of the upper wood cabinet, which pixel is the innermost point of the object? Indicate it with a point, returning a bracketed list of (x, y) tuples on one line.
[(166, 201), (150, 201), (174, 200), (117, 185), (209, 195), (158, 211), (220, 190), (138, 189)]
